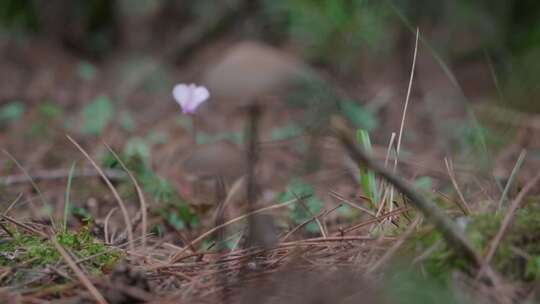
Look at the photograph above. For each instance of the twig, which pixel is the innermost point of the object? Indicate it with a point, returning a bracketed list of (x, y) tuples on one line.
[(113, 190), (44, 175), (78, 272), (453, 235)]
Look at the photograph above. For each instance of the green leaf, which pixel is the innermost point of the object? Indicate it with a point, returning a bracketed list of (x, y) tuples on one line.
[(358, 116), (126, 121), (424, 183), (286, 132), (298, 213), (97, 115), (50, 110), (86, 70), (137, 147), (11, 111)]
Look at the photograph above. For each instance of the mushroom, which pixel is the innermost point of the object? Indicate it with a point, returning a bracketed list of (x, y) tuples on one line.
[(250, 70)]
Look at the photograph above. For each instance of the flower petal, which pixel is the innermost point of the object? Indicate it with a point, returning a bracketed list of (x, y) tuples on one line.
[(189, 97), (181, 93)]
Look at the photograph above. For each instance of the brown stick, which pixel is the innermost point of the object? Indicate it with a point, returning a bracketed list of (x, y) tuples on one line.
[(56, 174)]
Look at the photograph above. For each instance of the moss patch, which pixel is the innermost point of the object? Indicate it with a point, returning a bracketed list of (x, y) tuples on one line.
[(32, 251), (517, 256)]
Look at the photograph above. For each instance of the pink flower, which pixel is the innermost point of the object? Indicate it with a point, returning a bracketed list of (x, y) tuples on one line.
[(189, 97)]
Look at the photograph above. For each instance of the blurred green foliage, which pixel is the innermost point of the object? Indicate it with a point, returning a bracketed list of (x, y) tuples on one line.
[(334, 31), (169, 204), (18, 15), (11, 112), (307, 208), (516, 257), (97, 115), (405, 289)]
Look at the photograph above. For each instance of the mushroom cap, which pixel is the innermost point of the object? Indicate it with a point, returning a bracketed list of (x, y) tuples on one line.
[(250, 70), (221, 159)]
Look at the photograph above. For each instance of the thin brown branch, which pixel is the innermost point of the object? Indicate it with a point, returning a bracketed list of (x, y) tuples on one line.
[(58, 174)]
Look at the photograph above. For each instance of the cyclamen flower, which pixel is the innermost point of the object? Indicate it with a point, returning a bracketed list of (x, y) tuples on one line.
[(189, 97)]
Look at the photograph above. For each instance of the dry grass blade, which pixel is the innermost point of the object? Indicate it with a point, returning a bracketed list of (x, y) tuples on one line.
[(507, 221), (140, 194), (392, 250), (113, 190), (46, 206), (377, 219), (78, 272), (24, 226), (211, 231), (452, 234), (314, 217), (510, 182), (407, 98), (402, 124), (463, 206), (323, 213), (340, 198), (106, 225), (15, 201)]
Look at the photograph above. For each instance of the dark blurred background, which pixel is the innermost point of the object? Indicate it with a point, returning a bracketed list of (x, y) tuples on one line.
[(65, 62), (334, 34)]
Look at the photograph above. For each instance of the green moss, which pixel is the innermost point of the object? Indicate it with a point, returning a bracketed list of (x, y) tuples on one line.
[(518, 253), (33, 251), (517, 256)]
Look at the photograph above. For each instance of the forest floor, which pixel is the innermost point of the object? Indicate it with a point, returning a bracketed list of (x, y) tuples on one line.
[(164, 232)]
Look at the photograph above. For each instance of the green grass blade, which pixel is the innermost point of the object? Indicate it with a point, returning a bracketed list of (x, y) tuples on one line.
[(367, 177), (68, 190)]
